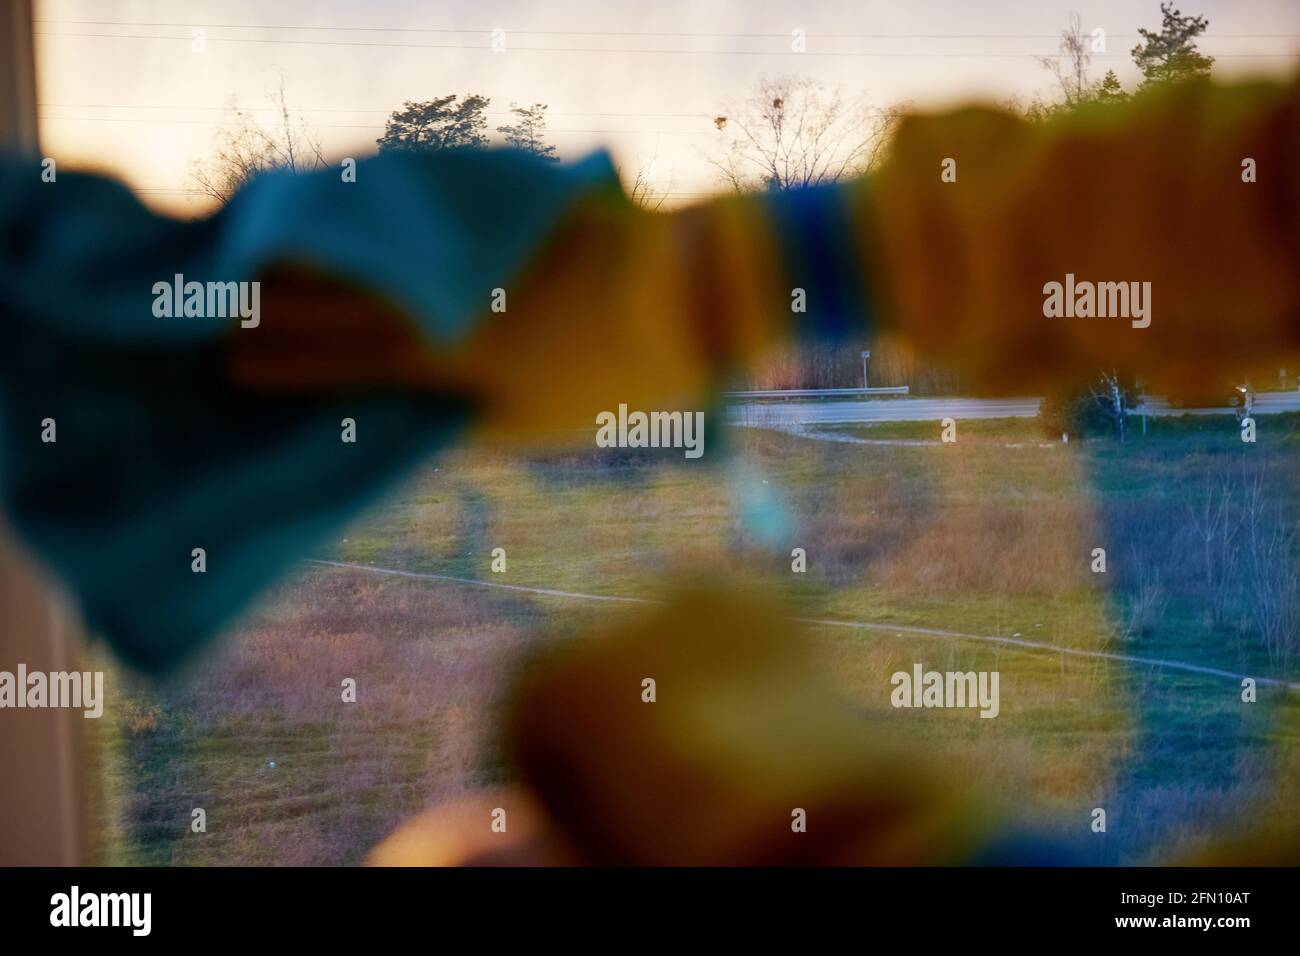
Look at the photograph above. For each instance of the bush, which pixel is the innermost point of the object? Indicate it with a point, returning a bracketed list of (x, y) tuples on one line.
[(1083, 413)]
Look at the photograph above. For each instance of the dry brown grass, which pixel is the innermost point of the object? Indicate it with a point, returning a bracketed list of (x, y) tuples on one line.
[(976, 538)]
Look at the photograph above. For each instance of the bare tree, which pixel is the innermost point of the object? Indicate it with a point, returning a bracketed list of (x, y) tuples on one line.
[(1070, 65), (1145, 599), (1112, 396), (246, 148), (793, 132), (645, 189), (1214, 526), (1270, 543)]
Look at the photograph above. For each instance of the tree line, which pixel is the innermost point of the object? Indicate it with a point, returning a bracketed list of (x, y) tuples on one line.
[(788, 132)]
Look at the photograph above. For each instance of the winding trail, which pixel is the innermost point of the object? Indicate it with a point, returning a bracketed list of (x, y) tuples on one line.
[(899, 629)]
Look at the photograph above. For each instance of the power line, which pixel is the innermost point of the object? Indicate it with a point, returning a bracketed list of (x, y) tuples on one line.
[(336, 109), (630, 33), (369, 126), (200, 192), (632, 50)]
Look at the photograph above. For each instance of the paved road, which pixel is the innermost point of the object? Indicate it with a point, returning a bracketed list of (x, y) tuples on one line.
[(879, 410), (1266, 403), (934, 409)]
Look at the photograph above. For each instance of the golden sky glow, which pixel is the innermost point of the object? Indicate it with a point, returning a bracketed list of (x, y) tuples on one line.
[(124, 89)]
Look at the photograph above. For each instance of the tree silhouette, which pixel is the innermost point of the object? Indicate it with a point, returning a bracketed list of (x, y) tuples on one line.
[(446, 122), (528, 130), (247, 148), (1171, 54), (1109, 89), (793, 132)]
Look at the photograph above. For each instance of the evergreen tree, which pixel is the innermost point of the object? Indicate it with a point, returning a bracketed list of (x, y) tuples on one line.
[(437, 124), (1171, 54), (528, 130), (1109, 89)]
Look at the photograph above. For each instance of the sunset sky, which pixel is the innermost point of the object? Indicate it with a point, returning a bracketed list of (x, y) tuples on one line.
[(122, 90)]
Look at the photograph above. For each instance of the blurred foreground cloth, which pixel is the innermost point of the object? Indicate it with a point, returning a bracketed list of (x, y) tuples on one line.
[(745, 756), (496, 289)]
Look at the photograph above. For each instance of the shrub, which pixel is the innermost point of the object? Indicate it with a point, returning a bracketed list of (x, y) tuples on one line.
[(1088, 412)]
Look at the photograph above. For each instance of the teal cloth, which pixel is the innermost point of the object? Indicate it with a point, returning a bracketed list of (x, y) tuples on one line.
[(157, 453)]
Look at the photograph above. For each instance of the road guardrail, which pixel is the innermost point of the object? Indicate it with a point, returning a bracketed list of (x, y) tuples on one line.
[(817, 392)]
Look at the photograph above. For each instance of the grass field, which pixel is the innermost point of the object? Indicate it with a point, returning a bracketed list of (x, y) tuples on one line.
[(990, 536)]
